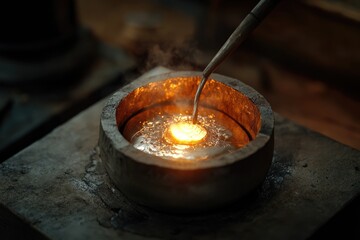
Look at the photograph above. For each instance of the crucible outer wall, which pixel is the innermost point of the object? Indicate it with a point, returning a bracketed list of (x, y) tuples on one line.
[(185, 186)]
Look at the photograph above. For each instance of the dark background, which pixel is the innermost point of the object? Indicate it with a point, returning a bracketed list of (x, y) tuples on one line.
[(304, 58)]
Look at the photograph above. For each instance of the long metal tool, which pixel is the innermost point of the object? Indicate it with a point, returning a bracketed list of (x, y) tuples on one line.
[(250, 22)]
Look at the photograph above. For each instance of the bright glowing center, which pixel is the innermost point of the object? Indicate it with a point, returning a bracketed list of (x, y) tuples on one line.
[(187, 133)]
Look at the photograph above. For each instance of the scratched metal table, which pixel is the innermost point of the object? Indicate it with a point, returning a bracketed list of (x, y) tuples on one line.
[(59, 187)]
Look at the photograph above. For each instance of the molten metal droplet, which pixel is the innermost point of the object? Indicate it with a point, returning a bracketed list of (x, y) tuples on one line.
[(186, 133)]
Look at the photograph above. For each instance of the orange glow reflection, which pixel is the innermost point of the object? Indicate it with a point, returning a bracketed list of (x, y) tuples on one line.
[(187, 133)]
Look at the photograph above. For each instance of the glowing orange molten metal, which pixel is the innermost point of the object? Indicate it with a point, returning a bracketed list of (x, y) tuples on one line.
[(187, 133)]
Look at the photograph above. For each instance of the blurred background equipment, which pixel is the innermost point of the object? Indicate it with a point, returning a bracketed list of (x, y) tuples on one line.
[(50, 69)]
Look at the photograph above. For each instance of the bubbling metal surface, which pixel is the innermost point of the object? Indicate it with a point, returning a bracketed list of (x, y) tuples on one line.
[(185, 133), (148, 131)]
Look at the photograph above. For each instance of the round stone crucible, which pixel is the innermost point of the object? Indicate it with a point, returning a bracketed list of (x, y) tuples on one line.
[(187, 187)]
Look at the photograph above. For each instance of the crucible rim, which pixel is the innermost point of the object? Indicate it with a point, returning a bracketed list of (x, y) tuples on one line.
[(119, 143)]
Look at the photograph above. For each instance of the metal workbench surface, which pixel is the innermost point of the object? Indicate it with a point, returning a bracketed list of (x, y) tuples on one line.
[(58, 186)]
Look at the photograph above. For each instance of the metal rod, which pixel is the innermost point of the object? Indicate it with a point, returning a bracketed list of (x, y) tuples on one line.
[(250, 22)]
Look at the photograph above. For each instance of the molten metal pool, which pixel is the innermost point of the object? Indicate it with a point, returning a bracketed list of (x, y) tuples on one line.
[(167, 131), (185, 133)]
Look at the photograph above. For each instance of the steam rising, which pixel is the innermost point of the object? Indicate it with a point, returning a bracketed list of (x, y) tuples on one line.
[(176, 56)]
